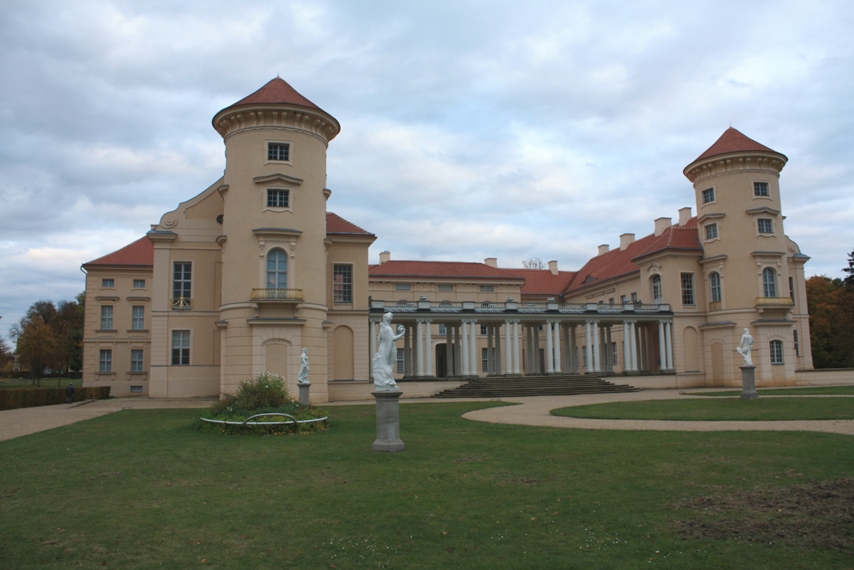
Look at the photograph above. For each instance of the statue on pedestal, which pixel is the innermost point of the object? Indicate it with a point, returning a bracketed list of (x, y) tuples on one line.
[(303, 368), (744, 348), (386, 356)]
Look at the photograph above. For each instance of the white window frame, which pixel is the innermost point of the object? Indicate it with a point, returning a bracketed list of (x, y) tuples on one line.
[(182, 281), (290, 151), (137, 360), (765, 186), (657, 290), (715, 291), (769, 285), (276, 272), (712, 194), (400, 361), (186, 338), (107, 315), (139, 283), (776, 348), (137, 320), (105, 360), (403, 287), (108, 283), (271, 192), (769, 222), (711, 231), (689, 297)]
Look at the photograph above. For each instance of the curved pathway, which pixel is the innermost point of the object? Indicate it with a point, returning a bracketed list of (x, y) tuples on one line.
[(535, 412)]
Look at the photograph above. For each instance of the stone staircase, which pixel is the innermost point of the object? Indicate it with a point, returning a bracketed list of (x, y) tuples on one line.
[(515, 386)]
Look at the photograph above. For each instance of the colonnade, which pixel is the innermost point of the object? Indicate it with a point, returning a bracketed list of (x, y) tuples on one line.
[(501, 351)]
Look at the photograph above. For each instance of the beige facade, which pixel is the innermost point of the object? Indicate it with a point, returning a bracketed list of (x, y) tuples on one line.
[(238, 279)]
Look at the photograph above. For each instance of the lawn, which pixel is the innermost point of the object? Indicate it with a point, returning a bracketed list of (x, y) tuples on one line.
[(809, 391), (142, 489), (719, 409)]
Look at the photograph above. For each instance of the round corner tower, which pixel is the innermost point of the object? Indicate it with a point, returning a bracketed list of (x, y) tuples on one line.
[(273, 236)]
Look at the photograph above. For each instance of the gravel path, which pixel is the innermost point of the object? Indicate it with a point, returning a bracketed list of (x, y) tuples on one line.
[(530, 411)]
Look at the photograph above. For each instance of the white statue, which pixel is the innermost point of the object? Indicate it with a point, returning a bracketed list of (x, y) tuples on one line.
[(744, 348), (386, 356), (303, 369)]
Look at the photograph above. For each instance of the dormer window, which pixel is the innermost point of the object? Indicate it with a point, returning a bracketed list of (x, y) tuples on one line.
[(279, 151), (277, 198)]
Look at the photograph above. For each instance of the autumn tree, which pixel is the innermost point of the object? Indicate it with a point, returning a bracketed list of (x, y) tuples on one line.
[(831, 308), (50, 336)]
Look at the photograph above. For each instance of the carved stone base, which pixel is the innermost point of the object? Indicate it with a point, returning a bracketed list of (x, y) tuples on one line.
[(388, 422), (303, 394), (748, 383)]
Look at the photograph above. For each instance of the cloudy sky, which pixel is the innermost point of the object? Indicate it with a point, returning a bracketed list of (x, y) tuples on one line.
[(470, 129)]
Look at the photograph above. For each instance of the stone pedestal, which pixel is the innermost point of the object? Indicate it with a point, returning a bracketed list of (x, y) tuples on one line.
[(388, 422), (748, 383), (303, 394)]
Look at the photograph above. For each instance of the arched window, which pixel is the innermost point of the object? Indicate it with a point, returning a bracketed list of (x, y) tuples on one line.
[(769, 280), (656, 288), (715, 286), (277, 269)]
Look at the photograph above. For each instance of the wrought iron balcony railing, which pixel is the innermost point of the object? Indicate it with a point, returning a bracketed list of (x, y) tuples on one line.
[(272, 294)]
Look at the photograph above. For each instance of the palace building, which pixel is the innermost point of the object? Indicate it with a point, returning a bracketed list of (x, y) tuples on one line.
[(238, 279)]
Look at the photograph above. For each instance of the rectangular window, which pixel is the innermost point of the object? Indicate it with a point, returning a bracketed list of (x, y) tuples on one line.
[(443, 330), (342, 283), (136, 360), (278, 151), (584, 356), (402, 287), (634, 297), (687, 289), (446, 287), (137, 322), (400, 368), (614, 360), (797, 344), (487, 288), (776, 352), (760, 189), (108, 283), (708, 195), (765, 225), (792, 289), (484, 359), (182, 282), (139, 283), (105, 361), (711, 231), (180, 348), (106, 318), (483, 330), (277, 198)]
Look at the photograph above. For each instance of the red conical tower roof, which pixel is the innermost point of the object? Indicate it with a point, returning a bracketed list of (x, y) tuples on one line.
[(276, 91), (733, 140)]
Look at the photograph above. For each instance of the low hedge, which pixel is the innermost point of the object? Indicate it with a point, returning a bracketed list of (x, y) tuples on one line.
[(13, 398)]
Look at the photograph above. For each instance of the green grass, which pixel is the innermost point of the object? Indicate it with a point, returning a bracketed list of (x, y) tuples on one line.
[(734, 409), (812, 391), (141, 489)]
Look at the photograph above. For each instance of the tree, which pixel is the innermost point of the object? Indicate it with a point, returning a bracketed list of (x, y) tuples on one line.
[(6, 356), (51, 336), (831, 308), (849, 281), (533, 263)]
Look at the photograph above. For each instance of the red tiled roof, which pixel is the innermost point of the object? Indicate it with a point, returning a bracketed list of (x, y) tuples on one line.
[(335, 224), (616, 263), (541, 281), (138, 254), (733, 141), (440, 269), (276, 91)]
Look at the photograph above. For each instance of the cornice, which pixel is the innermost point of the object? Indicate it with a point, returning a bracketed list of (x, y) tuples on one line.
[(276, 116), (756, 161)]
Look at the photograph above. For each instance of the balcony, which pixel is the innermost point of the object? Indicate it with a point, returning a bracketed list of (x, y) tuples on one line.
[(271, 294), (774, 303), (182, 304), (714, 306)]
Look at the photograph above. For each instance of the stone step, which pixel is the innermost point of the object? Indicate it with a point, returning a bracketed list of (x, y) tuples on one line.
[(522, 386)]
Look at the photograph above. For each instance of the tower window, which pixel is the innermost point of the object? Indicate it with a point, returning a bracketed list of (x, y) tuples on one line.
[(277, 269), (656, 289), (776, 352), (760, 189), (279, 151), (708, 195), (769, 282), (765, 225), (277, 198), (715, 287), (711, 231)]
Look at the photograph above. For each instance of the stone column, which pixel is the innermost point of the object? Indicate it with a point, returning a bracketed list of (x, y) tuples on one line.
[(550, 367), (464, 345), (668, 338), (490, 368), (609, 352), (588, 348), (597, 367), (473, 352), (428, 348), (573, 352), (634, 347), (517, 356), (557, 327), (627, 343), (662, 348), (407, 351), (498, 349), (419, 349), (449, 352)]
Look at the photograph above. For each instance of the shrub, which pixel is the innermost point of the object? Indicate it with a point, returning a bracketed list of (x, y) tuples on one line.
[(14, 398)]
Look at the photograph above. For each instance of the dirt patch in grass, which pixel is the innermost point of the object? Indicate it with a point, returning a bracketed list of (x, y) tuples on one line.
[(818, 515)]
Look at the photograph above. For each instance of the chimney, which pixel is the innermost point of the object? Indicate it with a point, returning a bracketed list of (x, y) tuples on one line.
[(491, 261), (553, 267), (626, 240), (684, 215), (385, 256), (603, 248), (661, 224)]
